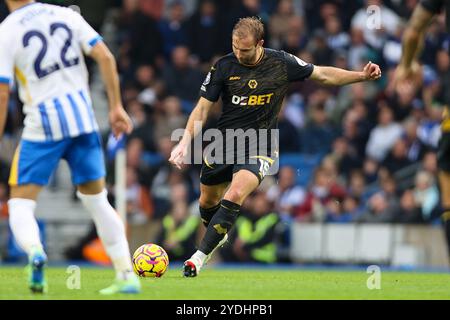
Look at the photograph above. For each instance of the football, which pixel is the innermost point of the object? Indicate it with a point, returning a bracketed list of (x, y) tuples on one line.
[(150, 260)]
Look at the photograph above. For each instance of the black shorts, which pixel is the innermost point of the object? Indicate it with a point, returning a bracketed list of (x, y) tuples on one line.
[(214, 174), (443, 154)]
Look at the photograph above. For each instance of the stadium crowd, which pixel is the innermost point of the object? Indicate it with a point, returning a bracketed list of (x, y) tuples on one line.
[(373, 145)]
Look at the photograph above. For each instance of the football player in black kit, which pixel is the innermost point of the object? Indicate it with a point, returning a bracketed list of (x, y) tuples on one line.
[(252, 82), (409, 70)]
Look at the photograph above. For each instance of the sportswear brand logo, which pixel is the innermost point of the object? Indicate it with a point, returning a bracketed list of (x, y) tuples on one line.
[(252, 84), (235, 78)]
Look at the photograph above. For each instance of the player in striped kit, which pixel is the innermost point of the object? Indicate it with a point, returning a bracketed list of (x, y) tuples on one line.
[(43, 46)]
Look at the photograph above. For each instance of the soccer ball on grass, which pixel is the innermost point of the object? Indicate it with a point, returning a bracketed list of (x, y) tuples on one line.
[(150, 260)]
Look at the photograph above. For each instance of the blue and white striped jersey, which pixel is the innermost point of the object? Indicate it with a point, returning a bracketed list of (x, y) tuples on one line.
[(42, 46)]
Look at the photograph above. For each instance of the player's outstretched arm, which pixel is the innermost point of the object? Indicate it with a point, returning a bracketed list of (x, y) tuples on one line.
[(198, 116), (119, 119), (4, 97), (339, 77)]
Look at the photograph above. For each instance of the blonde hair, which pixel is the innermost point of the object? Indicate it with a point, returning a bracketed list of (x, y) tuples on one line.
[(249, 26)]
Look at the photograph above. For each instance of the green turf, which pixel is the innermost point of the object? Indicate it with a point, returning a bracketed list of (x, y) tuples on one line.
[(235, 284)]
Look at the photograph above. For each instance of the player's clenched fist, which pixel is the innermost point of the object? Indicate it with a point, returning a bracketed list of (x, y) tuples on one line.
[(372, 71), (178, 155)]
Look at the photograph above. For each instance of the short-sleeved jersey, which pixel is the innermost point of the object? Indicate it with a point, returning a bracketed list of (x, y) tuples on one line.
[(436, 7), (42, 46), (252, 95)]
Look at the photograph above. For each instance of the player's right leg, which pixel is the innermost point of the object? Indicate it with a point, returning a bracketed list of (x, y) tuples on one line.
[(111, 231), (31, 168)]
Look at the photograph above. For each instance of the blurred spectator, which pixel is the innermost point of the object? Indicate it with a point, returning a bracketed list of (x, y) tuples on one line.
[(355, 133), (279, 23), (384, 135), (443, 66), (173, 29), (204, 32), (358, 53), (152, 8), (376, 21), (403, 101), (426, 195), (389, 186), (342, 212), (415, 148), (148, 86), (434, 41), (181, 79), (323, 189), (370, 169), (286, 131), (379, 210), (319, 134), (357, 185), (345, 156), (429, 130), (318, 46), (141, 41), (295, 38), (171, 118), (409, 211), (337, 39), (392, 49), (141, 140), (294, 110), (285, 195), (429, 163), (397, 158)]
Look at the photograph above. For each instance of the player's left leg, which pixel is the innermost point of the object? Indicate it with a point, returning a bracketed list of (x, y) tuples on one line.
[(111, 231), (243, 184), (85, 158)]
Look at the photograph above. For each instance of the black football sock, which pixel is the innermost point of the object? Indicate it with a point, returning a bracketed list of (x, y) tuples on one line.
[(220, 224), (208, 214)]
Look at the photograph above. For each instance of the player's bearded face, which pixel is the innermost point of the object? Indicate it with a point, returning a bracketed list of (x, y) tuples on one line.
[(245, 50)]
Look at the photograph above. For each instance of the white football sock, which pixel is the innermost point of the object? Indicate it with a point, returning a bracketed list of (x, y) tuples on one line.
[(111, 231), (199, 255), (24, 225)]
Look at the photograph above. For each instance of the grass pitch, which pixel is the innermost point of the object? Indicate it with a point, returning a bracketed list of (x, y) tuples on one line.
[(235, 284)]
